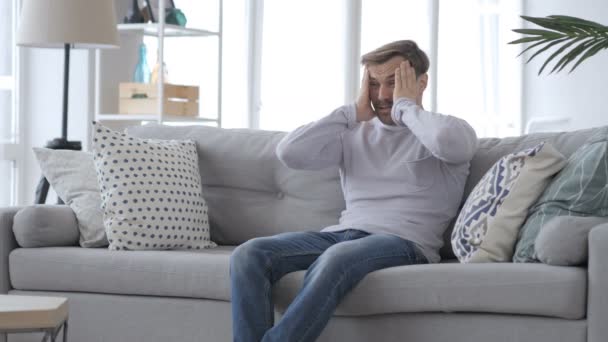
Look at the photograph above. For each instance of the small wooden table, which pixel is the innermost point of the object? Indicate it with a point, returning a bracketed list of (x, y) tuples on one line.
[(20, 314)]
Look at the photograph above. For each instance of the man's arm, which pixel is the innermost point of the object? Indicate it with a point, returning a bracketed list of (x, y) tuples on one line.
[(319, 144), (448, 138)]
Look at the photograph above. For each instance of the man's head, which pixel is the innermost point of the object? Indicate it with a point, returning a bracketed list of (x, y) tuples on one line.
[(381, 64)]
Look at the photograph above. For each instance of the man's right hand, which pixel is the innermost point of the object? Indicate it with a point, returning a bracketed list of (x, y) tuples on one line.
[(364, 103)]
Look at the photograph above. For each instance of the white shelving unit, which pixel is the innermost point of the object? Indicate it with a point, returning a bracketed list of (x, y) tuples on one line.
[(115, 66)]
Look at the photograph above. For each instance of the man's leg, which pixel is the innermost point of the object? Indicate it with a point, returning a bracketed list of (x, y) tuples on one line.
[(256, 265), (332, 276)]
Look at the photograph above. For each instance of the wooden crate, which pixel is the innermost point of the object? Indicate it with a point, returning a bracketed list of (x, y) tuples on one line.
[(142, 98)]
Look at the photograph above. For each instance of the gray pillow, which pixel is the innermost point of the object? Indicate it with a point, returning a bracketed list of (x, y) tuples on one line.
[(562, 241), (577, 190), (45, 226), (72, 175)]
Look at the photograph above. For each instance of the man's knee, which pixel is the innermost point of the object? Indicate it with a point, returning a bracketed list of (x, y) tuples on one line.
[(248, 254), (335, 259)]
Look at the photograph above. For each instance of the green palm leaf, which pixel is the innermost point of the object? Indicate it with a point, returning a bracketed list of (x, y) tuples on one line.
[(559, 51), (590, 52), (571, 55), (591, 37), (547, 46)]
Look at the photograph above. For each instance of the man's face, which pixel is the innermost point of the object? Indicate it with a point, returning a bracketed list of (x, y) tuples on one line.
[(381, 85)]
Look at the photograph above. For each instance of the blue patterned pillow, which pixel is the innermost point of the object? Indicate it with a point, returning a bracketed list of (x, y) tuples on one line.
[(578, 190), (486, 229)]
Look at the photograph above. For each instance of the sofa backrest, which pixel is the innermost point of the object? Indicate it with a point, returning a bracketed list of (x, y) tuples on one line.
[(250, 193)]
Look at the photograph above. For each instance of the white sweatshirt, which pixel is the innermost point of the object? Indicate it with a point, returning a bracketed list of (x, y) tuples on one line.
[(405, 180)]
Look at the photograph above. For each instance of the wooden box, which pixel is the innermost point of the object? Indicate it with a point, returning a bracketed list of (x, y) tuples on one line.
[(142, 98)]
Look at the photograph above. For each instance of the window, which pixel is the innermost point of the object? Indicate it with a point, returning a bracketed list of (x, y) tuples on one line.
[(10, 158), (474, 73), (301, 81), (384, 21), (479, 78)]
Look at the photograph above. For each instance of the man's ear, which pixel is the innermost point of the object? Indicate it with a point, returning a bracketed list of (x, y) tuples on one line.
[(422, 82)]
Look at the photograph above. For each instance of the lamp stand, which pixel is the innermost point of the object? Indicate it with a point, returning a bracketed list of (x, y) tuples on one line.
[(59, 143)]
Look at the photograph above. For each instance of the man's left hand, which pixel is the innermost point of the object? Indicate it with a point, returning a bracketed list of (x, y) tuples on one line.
[(405, 82)]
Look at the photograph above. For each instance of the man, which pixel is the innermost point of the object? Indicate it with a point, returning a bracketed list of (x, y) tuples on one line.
[(403, 171)]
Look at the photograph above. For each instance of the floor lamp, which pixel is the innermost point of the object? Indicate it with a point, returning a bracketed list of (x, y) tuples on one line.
[(67, 24)]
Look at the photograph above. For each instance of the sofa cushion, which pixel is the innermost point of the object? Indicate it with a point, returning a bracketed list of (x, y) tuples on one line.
[(578, 190), (177, 273), (150, 192), (249, 192), (489, 150), (533, 289), (564, 240), (44, 225), (528, 289), (72, 175), (487, 227)]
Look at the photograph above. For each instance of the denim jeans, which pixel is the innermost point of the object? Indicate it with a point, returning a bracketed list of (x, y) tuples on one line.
[(335, 263)]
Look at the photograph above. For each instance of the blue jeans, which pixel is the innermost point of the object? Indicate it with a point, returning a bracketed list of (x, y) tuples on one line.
[(335, 263)]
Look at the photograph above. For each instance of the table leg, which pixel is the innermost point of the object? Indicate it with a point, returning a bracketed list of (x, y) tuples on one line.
[(65, 331), (47, 334)]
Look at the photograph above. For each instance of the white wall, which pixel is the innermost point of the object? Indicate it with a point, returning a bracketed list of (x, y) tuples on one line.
[(580, 96)]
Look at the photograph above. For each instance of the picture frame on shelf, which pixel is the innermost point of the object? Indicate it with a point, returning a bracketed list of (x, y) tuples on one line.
[(152, 6)]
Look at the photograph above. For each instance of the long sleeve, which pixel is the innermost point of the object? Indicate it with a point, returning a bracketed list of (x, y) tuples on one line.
[(319, 144), (448, 138)]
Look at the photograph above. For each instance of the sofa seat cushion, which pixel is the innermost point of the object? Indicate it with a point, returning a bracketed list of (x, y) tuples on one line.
[(178, 273), (531, 289), (507, 288)]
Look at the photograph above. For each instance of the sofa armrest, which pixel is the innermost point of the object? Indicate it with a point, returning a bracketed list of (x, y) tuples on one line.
[(7, 244), (597, 293)]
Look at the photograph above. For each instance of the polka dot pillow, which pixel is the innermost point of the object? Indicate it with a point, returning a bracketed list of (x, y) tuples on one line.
[(151, 192)]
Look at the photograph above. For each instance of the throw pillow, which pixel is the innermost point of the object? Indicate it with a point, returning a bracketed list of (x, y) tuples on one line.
[(72, 175), (45, 226), (487, 226), (563, 240), (578, 190), (151, 192)]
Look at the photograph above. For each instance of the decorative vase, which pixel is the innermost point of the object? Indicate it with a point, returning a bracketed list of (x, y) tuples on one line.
[(142, 71), (155, 72)]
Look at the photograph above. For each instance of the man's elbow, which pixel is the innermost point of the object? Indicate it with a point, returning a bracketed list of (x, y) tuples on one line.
[(458, 147)]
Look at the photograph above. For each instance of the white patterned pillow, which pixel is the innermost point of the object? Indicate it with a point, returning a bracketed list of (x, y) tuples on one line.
[(150, 191), (487, 226)]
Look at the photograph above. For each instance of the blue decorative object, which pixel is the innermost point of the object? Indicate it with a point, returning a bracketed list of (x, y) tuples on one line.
[(142, 71)]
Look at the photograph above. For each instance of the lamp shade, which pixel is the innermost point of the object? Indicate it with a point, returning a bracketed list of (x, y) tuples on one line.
[(54, 23)]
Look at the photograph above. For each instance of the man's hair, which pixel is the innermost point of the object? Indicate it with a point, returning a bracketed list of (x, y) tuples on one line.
[(407, 49)]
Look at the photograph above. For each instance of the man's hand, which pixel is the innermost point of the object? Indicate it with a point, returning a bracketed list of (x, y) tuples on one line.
[(405, 82), (364, 103)]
